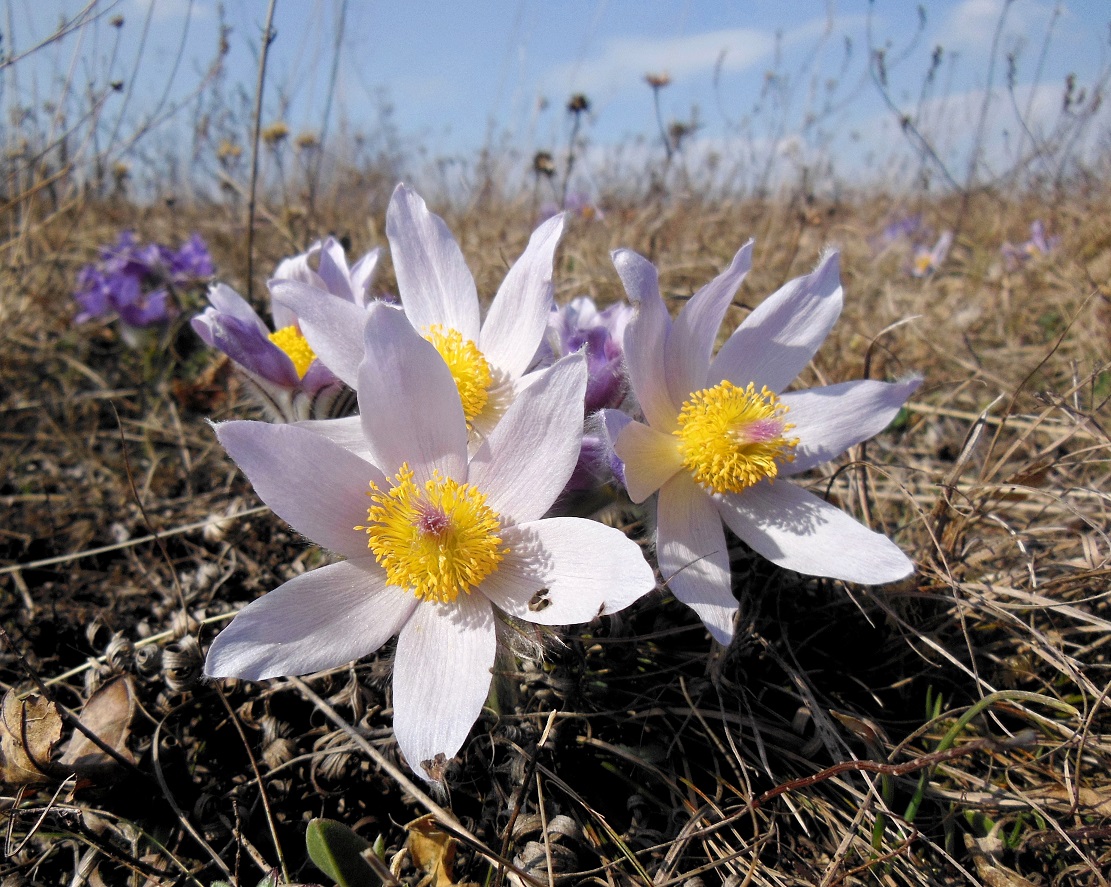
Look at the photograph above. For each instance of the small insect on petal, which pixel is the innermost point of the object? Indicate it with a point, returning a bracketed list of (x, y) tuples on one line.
[(540, 600)]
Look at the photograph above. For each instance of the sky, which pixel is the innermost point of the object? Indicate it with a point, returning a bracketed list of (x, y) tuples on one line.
[(757, 78)]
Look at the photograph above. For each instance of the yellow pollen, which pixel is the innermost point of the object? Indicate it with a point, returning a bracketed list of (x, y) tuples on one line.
[(731, 438), (468, 368), (296, 346), (437, 540)]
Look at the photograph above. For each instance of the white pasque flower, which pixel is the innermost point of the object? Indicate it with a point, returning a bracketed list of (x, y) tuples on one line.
[(436, 541), (489, 359), (722, 436)]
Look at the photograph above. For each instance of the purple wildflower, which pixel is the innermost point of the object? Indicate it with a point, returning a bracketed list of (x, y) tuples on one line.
[(897, 231), (580, 326), (136, 282)]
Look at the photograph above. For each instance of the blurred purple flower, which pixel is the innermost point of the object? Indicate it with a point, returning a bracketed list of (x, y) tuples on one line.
[(291, 383), (1015, 255), (926, 261), (576, 203), (897, 231), (190, 262), (135, 282)]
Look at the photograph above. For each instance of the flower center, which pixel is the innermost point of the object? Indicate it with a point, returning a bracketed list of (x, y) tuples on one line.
[(468, 368), (296, 346), (437, 540), (731, 438)]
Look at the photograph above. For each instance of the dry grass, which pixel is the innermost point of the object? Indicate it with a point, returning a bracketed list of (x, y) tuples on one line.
[(952, 728)]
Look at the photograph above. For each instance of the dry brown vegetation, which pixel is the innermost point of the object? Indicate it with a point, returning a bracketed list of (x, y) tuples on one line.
[(952, 728)]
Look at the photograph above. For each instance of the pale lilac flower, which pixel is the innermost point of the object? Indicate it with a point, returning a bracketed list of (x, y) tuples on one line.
[(286, 376), (1015, 255), (722, 438), (927, 261), (437, 543), (489, 359)]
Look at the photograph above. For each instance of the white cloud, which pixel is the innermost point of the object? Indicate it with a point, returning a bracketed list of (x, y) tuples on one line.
[(971, 24), (626, 60)]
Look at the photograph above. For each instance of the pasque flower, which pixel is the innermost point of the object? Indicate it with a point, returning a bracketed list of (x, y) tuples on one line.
[(437, 543), (288, 379), (488, 358), (722, 437)]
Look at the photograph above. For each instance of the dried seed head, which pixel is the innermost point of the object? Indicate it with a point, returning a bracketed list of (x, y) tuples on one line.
[(543, 164), (181, 664)]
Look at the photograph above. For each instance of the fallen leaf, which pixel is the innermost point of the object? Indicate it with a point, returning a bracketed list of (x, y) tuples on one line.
[(30, 727), (108, 715), (431, 850)]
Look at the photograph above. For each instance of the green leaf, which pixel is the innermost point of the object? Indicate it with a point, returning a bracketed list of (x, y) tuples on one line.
[(337, 851)]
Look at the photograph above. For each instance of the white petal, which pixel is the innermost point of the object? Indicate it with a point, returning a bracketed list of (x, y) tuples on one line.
[(408, 401), (524, 462), (646, 339), (829, 420), (518, 316), (334, 273), (650, 459), (332, 326), (317, 487), (346, 432), (776, 341), (797, 530), (433, 280), (441, 677), (614, 422), (295, 268), (319, 620), (694, 562), (227, 301), (362, 275), (693, 335), (566, 570)]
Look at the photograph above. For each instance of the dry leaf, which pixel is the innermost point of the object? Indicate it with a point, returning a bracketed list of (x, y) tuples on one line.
[(30, 727), (431, 850), (108, 715), (984, 853)]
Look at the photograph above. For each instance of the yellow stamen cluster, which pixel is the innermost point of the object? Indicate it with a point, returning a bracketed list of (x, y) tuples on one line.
[(731, 438), (296, 346), (468, 367), (436, 540)]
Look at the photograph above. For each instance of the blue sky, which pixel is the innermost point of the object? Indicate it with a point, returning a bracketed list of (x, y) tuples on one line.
[(456, 72)]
